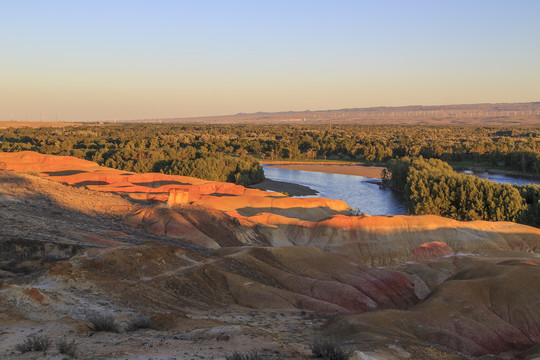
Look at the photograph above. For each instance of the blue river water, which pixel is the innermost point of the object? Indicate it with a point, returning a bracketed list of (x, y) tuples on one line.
[(502, 178), (359, 192), (356, 191)]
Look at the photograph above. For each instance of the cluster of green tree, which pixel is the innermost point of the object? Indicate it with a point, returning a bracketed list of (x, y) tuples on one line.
[(243, 171), (124, 149), (531, 195), (431, 186), (137, 147)]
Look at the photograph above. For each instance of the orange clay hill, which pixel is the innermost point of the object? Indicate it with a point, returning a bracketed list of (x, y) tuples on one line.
[(215, 214), (220, 268)]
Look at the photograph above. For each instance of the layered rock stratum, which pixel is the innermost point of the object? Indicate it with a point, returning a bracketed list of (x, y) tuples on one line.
[(219, 267)]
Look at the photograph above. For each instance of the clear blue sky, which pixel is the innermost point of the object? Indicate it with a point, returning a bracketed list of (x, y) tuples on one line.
[(104, 60)]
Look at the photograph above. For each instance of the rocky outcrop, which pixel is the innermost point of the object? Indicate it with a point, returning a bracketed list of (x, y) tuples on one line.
[(33, 161), (274, 219)]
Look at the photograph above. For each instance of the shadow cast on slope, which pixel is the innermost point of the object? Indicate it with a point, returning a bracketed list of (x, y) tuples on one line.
[(301, 213), (39, 225)]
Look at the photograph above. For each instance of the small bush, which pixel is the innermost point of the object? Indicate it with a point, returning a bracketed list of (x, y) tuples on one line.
[(253, 355), (65, 347), (354, 212), (99, 322), (329, 349), (34, 343), (3, 165), (141, 322)]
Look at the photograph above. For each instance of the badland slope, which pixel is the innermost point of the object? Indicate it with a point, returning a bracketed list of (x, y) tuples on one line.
[(218, 268)]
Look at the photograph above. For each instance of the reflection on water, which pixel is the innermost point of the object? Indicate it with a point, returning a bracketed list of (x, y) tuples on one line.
[(355, 190)]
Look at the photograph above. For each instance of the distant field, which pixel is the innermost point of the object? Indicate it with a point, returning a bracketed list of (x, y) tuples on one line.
[(34, 124)]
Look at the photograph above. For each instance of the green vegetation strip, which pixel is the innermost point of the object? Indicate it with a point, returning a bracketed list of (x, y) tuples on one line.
[(431, 186), (230, 152)]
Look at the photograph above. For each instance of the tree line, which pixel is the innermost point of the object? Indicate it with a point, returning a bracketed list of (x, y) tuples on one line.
[(431, 186), (127, 148), (154, 147)]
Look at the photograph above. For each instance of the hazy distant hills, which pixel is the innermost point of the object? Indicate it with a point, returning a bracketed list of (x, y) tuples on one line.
[(505, 114), (501, 114)]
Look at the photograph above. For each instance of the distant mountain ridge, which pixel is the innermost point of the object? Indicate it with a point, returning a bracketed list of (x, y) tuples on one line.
[(496, 114)]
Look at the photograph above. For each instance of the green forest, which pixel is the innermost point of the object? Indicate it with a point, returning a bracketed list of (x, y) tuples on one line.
[(141, 148), (431, 186), (136, 147), (418, 157)]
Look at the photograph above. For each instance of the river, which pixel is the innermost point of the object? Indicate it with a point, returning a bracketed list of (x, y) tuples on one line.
[(360, 192), (502, 178), (355, 190)]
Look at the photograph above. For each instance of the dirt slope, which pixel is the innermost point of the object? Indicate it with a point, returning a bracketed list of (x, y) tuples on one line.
[(485, 308)]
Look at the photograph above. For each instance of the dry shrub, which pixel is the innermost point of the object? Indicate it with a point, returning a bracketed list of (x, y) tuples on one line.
[(99, 322), (34, 343), (329, 349)]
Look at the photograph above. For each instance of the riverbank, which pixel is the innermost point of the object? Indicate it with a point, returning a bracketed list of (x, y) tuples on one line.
[(343, 169), (362, 169), (284, 187)]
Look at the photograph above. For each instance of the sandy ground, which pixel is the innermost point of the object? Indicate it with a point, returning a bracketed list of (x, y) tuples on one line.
[(367, 171), (326, 162), (273, 334)]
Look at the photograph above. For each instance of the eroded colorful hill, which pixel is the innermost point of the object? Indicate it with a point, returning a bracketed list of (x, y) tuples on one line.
[(219, 261), (213, 215)]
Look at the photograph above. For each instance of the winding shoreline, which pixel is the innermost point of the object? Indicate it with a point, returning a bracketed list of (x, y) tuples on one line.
[(356, 169)]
